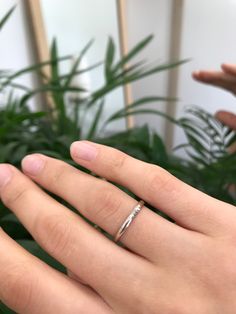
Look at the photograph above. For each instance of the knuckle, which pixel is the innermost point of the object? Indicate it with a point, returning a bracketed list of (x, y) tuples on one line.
[(158, 181), (58, 176), (107, 204), (17, 286), (54, 234), (19, 195), (117, 162)]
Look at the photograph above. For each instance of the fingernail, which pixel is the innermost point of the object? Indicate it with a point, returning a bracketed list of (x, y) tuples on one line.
[(5, 175), (33, 164), (84, 151)]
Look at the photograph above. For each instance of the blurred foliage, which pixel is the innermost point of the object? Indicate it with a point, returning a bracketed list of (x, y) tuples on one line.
[(208, 166)]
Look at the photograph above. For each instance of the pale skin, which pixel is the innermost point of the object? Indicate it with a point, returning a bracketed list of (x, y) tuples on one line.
[(166, 268), (187, 267)]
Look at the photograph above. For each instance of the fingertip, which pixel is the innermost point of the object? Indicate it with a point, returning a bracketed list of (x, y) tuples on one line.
[(33, 164), (83, 150), (218, 114), (229, 68), (195, 74), (227, 118), (5, 174), (227, 65), (73, 147)]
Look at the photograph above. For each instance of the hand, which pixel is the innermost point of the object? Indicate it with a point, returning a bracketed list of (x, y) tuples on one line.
[(187, 267), (225, 79)]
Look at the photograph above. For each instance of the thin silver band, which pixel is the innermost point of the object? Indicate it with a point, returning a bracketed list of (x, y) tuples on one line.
[(128, 221)]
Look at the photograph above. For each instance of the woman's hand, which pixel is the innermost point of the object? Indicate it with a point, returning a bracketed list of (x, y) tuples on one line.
[(167, 268), (225, 79)]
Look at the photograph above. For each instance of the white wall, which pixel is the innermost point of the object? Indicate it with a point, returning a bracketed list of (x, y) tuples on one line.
[(16, 50), (145, 18)]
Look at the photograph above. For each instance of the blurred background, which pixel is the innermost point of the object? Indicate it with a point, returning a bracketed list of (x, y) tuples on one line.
[(135, 88), (205, 35)]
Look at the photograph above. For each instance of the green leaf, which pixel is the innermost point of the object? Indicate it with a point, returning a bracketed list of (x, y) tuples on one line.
[(4, 211), (78, 72), (94, 126), (58, 94), (33, 68), (19, 86), (145, 111), (128, 69), (110, 55), (145, 73), (180, 146), (54, 63), (159, 153), (12, 226), (199, 161), (5, 310), (55, 90), (51, 153), (139, 102), (136, 50), (198, 146), (7, 150), (76, 64), (32, 247), (138, 75), (232, 139), (6, 17)]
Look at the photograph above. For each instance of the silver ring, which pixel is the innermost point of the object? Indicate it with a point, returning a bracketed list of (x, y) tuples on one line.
[(128, 221)]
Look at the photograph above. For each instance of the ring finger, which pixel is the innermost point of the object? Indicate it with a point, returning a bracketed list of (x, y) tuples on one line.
[(107, 206), (68, 238)]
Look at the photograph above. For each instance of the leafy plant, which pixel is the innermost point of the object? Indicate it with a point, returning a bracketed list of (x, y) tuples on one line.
[(213, 166), (207, 166), (51, 131)]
